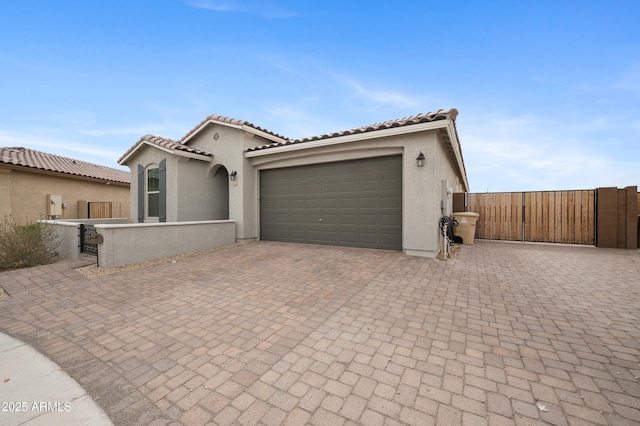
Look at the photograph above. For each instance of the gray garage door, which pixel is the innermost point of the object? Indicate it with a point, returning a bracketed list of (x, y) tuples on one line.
[(349, 203)]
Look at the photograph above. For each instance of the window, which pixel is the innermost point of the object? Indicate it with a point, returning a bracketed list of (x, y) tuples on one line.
[(153, 192)]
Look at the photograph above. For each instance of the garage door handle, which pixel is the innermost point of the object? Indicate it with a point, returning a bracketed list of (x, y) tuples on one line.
[(319, 220)]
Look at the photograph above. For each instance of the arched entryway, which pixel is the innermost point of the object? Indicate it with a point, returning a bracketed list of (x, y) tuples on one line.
[(219, 184)]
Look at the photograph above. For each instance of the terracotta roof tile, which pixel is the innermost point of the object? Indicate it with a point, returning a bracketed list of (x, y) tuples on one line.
[(407, 121), (26, 157), (227, 120), (166, 144)]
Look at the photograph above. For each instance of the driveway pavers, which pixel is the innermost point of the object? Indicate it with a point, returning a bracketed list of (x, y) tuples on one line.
[(275, 333)]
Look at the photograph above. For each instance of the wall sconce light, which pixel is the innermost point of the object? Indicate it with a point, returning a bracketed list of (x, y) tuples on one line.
[(107, 183), (232, 175), (420, 159)]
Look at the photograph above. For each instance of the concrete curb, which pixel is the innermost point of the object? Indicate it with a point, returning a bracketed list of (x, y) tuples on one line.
[(36, 391)]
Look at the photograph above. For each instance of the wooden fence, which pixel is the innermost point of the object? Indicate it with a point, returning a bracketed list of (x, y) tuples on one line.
[(100, 210), (548, 216)]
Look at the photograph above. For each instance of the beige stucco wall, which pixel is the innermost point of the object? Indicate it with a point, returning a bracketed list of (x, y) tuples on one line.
[(23, 194)]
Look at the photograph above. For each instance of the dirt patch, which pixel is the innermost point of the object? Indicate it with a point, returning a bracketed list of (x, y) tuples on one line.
[(94, 271), (453, 253)]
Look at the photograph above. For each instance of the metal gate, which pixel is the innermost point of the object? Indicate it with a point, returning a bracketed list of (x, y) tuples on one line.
[(87, 240)]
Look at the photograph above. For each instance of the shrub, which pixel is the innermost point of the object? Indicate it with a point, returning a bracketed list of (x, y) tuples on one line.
[(22, 246)]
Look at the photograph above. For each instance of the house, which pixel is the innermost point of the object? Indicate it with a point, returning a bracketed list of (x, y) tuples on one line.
[(383, 186), (36, 185)]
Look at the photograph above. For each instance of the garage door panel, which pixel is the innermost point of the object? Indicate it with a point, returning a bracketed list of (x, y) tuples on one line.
[(352, 203), (368, 203), (386, 219), (348, 187), (368, 186)]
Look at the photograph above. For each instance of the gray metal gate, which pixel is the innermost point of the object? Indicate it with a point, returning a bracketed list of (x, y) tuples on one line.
[(87, 244)]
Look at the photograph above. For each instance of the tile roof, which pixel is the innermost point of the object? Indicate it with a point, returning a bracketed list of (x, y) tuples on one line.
[(450, 114), (165, 143), (181, 145), (25, 157), (232, 121)]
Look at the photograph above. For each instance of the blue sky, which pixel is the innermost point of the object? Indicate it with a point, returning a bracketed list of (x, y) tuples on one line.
[(548, 91)]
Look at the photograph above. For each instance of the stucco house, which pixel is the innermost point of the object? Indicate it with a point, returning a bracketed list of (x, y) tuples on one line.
[(37, 185), (382, 186)]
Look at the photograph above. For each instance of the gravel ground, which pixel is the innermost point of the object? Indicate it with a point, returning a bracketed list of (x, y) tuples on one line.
[(94, 271)]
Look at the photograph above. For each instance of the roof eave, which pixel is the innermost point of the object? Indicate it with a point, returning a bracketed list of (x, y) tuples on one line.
[(263, 134), (123, 161), (356, 137), (455, 145), (139, 145), (193, 132), (245, 127)]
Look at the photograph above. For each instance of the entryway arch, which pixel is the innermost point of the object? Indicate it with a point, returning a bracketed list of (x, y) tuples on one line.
[(219, 185)]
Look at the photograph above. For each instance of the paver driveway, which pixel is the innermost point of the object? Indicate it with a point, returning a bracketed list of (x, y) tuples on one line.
[(275, 333)]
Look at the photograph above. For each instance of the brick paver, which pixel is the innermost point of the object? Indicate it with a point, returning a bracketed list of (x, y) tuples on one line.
[(275, 333)]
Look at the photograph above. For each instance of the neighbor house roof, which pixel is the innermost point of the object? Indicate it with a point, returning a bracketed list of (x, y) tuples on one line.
[(407, 121), (32, 159)]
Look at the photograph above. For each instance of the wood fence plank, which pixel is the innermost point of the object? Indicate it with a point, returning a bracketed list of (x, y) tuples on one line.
[(100, 210), (480, 209), (564, 212), (495, 210), (558, 220), (571, 217), (585, 217), (512, 217), (539, 216), (503, 216), (487, 221), (499, 222), (578, 216), (592, 218), (485, 213), (506, 208), (529, 217), (550, 228), (519, 219)]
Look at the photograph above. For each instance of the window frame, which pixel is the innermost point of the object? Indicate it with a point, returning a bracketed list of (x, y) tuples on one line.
[(147, 193)]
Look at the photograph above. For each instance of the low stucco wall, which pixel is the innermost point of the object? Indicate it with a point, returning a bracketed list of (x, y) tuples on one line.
[(138, 242), (92, 221), (68, 232)]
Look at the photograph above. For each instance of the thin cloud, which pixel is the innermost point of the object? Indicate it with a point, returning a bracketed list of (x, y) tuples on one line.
[(298, 121), (519, 154), (378, 98), (265, 9), (136, 131)]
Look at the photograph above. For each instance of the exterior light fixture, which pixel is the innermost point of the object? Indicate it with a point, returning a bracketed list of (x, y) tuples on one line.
[(232, 175), (420, 159)]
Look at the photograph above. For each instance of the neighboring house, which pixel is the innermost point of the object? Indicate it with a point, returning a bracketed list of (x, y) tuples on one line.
[(361, 187), (35, 185)]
